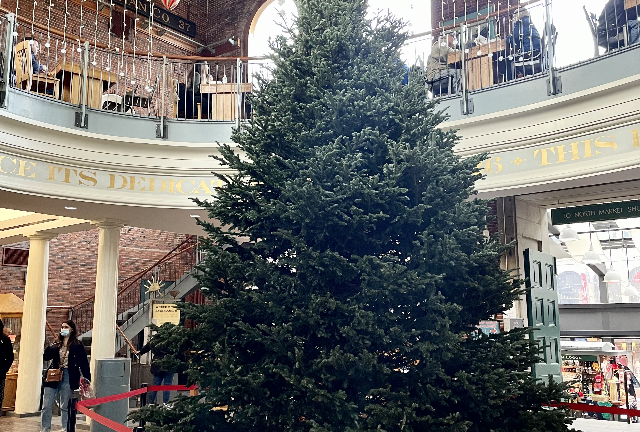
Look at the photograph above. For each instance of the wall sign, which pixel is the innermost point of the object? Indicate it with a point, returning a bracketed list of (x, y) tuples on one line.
[(596, 212), (160, 16), (588, 154), (166, 313), (489, 327)]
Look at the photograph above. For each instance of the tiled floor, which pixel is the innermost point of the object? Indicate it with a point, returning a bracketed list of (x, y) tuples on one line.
[(32, 424), (588, 425)]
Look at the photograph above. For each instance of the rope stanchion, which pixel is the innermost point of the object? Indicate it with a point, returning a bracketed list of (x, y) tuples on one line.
[(83, 406)]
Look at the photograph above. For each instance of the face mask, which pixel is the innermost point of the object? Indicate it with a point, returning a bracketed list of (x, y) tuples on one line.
[(65, 332)]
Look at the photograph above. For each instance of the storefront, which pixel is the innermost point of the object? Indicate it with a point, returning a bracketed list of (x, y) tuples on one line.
[(11, 314), (595, 372)]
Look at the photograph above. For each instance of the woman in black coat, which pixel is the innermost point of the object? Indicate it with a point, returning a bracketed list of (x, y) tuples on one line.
[(67, 353)]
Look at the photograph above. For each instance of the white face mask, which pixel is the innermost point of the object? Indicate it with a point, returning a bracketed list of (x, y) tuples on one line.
[(65, 332)]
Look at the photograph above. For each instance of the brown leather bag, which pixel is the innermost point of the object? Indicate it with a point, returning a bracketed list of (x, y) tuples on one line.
[(54, 375)]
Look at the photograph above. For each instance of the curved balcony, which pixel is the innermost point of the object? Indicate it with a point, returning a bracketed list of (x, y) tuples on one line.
[(128, 133)]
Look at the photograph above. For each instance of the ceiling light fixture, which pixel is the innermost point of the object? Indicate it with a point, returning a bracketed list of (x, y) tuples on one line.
[(194, 216), (568, 234), (630, 290), (71, 208), (590, 256), (611, 276)]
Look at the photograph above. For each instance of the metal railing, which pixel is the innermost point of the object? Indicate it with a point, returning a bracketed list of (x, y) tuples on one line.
[(495, 43), (138, 83), (511, 40), (131, 291)]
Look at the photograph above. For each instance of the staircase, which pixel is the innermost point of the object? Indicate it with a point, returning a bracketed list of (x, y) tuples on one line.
[(174, 274)]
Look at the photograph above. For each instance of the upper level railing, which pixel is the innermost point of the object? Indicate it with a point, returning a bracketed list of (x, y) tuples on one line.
[(484, 45)]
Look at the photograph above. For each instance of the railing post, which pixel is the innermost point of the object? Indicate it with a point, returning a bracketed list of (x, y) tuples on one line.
[(465, 104), (8, 59), (552, 83), (160, 131), (81, 117), (239, 88)]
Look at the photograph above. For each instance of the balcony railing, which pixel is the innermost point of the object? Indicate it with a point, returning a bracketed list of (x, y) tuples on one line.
[(502, 41)]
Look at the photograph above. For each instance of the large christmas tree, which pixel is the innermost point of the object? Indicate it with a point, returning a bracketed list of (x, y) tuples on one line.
[(353, 304)]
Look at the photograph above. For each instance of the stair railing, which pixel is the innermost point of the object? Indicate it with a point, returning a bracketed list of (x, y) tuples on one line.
[(169, 268)]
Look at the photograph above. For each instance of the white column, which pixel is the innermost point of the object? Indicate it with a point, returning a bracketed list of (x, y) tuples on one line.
[(33, 325), (103, 334)]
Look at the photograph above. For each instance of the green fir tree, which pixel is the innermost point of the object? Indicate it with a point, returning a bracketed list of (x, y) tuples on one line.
[(353, 303)]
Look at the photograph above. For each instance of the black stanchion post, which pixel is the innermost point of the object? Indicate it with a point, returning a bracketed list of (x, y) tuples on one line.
[(626, 394), (143, 396), (143, 402), (71, 412)]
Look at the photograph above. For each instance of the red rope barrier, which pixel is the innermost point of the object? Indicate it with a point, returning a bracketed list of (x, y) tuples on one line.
[(596, 408), (83, 406)]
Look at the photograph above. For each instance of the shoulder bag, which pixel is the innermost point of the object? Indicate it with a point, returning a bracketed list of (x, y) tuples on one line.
[(55, 374)]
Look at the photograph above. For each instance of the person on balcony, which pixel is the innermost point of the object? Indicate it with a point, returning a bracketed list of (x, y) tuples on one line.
[(612, 22), (66, 354), (441, 76), (35, 51), (6, 358), (525, 44)]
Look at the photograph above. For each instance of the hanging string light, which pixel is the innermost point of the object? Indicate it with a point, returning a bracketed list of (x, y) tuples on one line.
[(15, 32), (64, 28), (124, 30), (48, 42), (33, 17), (150, 46), (108, 68), (135, 38), (79, 49), (95, 34)]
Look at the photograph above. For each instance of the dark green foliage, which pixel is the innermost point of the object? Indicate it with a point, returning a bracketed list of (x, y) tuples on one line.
[(353, 305)]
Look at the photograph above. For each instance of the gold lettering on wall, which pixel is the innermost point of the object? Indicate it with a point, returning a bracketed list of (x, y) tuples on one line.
[(3, 166), (605, 144), (543, 155), (89, 176), (26, 170)]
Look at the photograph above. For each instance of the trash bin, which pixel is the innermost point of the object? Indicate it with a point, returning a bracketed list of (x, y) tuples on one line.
[(111, 377)]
